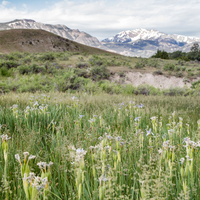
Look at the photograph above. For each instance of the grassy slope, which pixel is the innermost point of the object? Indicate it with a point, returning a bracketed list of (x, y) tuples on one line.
[(31, 41)]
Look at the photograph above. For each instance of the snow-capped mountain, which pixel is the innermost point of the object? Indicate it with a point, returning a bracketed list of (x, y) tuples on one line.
[(61, 30), (143, 34), (142, 42)]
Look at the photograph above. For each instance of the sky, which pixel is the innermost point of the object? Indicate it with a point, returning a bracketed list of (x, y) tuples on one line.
[(106, 18)]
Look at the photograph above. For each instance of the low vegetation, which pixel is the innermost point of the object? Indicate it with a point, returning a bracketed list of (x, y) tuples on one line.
[(59, 146), (74, 71)]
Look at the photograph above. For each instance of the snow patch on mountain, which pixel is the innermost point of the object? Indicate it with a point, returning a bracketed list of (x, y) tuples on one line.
[(144, 34)]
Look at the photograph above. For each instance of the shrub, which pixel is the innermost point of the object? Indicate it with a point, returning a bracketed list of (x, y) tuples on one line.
[(179, 74), (97, 61), (153, 63), (195, 84), (51, 68), (181, 62), (37, 69), (24, 69), (9, 64), (121, 74), (47, 57), (64, 58), (139, 65), (99, 72), (5, 72), (178, 68), (169, 67), (157, 72), (82, 65), (81, 72)]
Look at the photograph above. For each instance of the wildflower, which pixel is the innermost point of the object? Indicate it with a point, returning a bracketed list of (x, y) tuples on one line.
[(102, 178), (40, 164), (80, 152), (81, 116), (188, 158), (182, 160), (149, 132), (5, 137), (171, 147), (17, 158), (50, 163), (36, 104), (100, 138), (74, 98), (166, 144), (180, 118), (109, 137), (160, 151), (118, 138), (137, 119), (153, 118), (31, 157), (25, 177), (140, 106), (25, 155), (171, 131), (91, 120)]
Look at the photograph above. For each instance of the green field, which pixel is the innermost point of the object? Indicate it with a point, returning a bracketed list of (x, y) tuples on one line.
[(102, 146), (83, 72)]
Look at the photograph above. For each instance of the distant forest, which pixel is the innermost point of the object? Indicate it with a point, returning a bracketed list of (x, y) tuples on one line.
[(194, 54)]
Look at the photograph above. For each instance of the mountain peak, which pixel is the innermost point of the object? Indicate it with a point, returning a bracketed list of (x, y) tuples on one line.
[(131, 36)]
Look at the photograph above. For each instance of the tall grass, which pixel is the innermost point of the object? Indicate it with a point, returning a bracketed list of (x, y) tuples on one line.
[(102, 146)]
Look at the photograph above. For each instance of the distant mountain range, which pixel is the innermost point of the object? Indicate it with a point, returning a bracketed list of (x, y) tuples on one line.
[(138, 42), (142, 42)]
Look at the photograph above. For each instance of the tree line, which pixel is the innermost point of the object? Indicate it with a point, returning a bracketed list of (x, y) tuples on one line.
[(193, 54)]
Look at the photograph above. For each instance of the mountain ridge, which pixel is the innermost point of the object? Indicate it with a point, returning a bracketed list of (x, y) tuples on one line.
[(61, 30)]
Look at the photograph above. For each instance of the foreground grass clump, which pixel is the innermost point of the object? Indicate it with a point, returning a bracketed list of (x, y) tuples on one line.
[(99, 147)]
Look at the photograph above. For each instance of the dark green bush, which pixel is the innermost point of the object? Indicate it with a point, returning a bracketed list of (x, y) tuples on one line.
[(49, 56), (121, 74), (179, 74), (153, 63), (97, 61), (139, 65), (158, 72), (24, 69), (82, 65), (99, 72), (81, 72), (9, 64), (36, 69), (4, 72), (169, 67)]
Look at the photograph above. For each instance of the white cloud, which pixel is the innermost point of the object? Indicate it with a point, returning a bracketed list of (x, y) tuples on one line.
[(105, 18), (5, 3)]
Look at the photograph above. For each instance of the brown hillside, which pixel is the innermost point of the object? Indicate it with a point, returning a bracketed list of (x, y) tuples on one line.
[(24, 40)]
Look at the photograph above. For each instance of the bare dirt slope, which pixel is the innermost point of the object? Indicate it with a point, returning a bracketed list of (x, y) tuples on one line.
[(157, 81)]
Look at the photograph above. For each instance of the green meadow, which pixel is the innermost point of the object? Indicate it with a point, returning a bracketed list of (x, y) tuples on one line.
[(99, 146)]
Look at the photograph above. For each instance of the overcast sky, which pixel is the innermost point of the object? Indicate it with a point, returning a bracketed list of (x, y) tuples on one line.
[(105, 18)]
